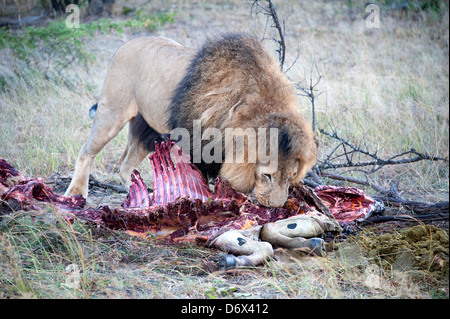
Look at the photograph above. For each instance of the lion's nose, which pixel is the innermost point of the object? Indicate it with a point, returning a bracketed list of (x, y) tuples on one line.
[(275, 202), (277, 205)]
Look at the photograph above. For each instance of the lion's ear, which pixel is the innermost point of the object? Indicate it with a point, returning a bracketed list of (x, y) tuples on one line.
[(304, 166), (240, 175)]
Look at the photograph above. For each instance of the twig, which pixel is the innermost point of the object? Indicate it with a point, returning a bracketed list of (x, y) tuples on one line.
[(310, 91), (114, 188), (355, 180), (58, 180), (350, 149), (271, 13), (378, 163)]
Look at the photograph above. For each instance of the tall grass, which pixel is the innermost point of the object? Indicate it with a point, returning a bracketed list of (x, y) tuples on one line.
[(36, 252)]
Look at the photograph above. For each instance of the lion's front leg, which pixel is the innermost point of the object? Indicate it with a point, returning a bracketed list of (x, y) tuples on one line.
[(250, 252)]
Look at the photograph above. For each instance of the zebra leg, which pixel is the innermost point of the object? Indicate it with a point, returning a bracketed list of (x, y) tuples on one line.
[(250, 252), (293, 233)]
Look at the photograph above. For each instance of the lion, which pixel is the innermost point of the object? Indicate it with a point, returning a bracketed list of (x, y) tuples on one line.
[(158, 85)]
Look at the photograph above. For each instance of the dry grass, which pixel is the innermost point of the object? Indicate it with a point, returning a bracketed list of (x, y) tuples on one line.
[(37, 258), (389, 85)]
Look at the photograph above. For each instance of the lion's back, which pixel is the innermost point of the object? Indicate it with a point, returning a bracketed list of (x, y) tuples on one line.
[(148, 68)]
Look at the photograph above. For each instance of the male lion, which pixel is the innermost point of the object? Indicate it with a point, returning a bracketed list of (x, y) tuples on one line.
[(231, 82)]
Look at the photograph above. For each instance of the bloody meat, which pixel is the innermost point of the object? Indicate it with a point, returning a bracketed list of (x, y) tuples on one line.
[(182, 207)]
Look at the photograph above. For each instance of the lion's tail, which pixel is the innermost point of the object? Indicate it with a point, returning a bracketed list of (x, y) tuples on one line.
[(92, 110)]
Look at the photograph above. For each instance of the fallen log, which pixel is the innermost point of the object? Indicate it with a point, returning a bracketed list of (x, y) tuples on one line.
[(419, 208), (406, 218)]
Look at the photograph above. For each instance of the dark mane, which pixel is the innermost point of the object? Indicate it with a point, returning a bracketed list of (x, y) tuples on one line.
[(284, 141), (231, 46), (145, 134)]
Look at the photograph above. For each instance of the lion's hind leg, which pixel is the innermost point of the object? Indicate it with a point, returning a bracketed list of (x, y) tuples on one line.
[(141, 141)]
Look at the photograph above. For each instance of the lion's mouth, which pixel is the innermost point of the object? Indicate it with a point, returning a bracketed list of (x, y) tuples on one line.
[(264, 201), (253, 197)]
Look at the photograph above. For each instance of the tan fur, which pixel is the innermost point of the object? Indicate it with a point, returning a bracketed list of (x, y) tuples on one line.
[(144, 73)]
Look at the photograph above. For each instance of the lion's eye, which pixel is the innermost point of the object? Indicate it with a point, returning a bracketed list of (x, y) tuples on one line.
[(268, 177)]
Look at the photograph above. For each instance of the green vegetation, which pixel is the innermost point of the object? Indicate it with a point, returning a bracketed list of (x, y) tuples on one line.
[(66, 45)]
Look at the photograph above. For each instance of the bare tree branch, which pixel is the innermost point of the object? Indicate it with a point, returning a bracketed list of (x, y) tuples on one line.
[(271, 13), (310, 91), (377, 162), (354, 180)]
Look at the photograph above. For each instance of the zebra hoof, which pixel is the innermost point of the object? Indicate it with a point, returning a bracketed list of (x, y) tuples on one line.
[(317, 247), (227, 262)]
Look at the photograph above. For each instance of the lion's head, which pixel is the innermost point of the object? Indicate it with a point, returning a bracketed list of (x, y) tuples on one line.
[(268, 181)]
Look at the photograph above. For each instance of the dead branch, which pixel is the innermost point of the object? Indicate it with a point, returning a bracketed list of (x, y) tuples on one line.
[(406, 218), (310, 90), (114, 188), (419, 208), (269, 11), (377, 162), (58, 180), (355, 181)]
